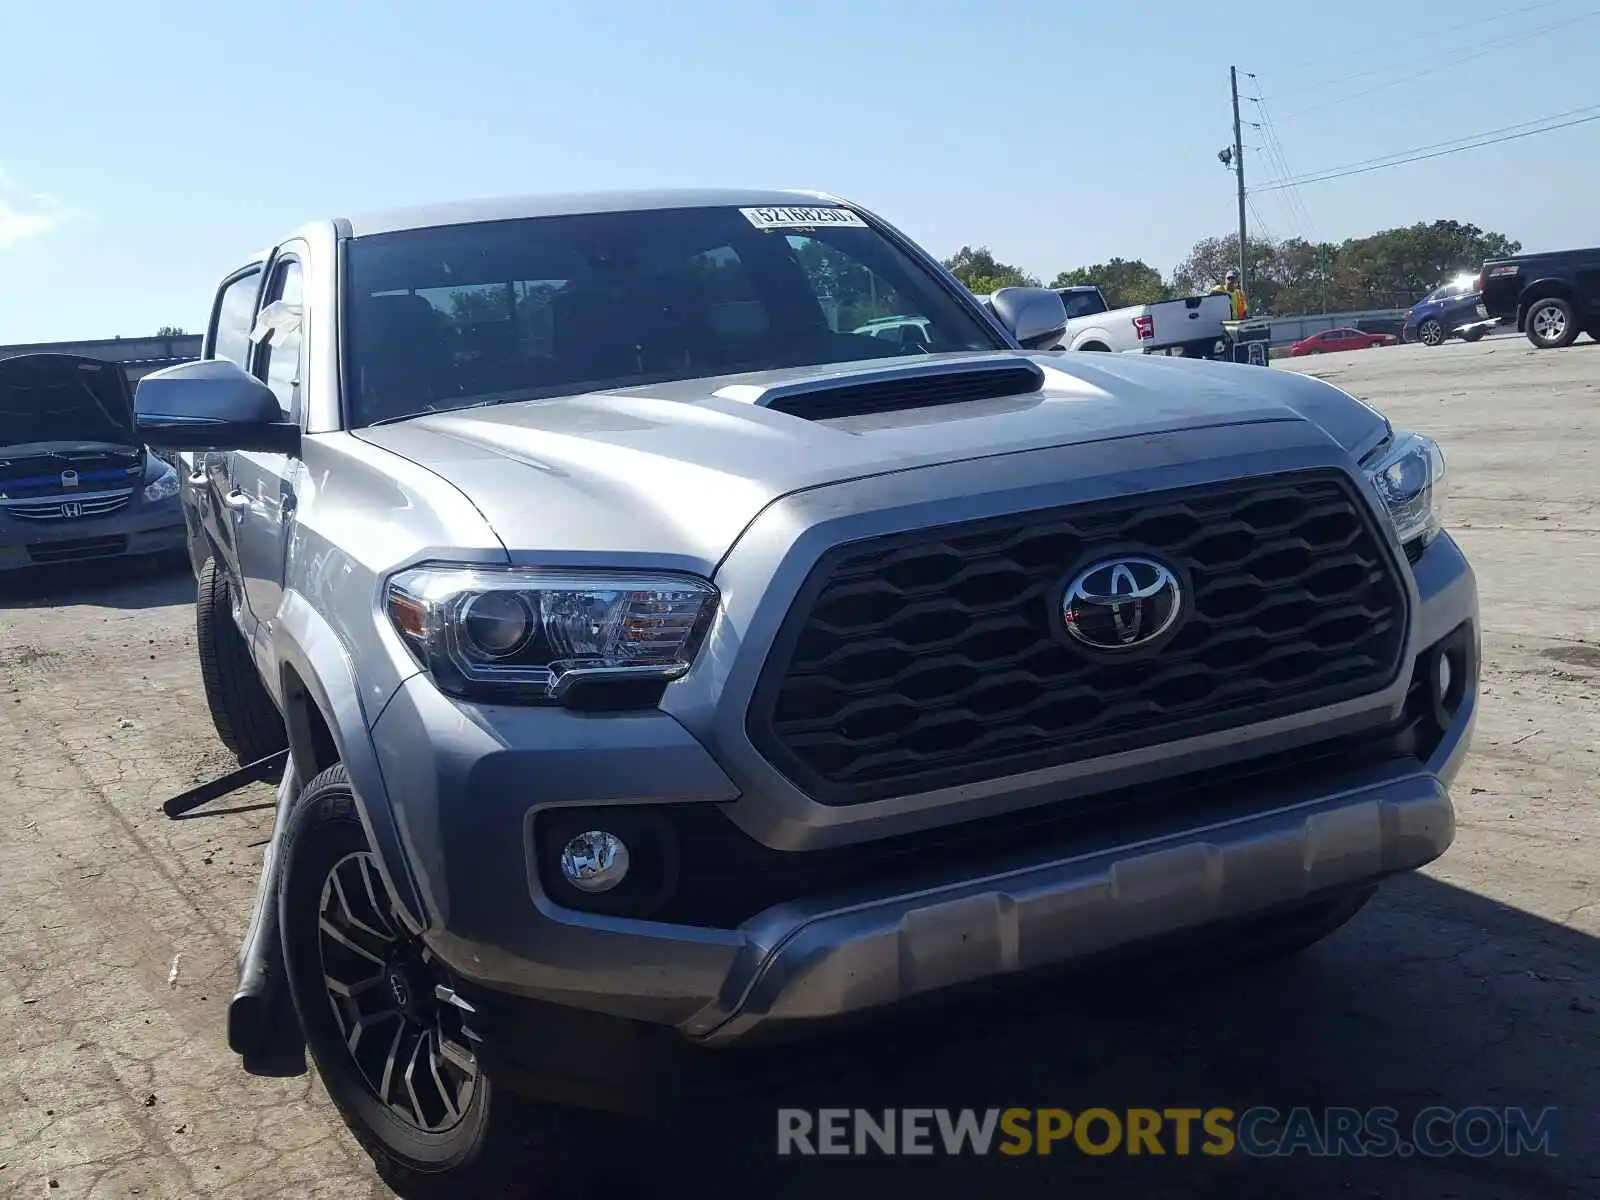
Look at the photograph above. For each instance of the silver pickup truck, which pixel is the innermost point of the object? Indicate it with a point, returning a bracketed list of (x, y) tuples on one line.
[(666, 668)]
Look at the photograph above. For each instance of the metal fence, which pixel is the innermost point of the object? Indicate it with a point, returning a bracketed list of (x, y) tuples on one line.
[(1286, 330)]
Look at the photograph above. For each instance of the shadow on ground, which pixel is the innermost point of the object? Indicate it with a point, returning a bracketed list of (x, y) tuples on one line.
[(1433, 996), (126, 583)]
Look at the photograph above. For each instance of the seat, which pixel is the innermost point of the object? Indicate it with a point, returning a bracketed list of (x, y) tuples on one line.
[(405, 356), (594, 336)]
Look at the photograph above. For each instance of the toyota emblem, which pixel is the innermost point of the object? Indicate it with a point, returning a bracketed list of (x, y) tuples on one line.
[(1121, 603)]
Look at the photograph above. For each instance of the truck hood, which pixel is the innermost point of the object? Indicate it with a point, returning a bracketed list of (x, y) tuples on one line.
[(672, 473), (63, 400)]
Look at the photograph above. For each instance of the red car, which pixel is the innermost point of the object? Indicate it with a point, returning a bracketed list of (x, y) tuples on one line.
[(1330, 340)]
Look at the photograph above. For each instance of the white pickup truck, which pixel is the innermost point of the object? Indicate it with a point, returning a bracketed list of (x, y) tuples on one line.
[(1191, 327)]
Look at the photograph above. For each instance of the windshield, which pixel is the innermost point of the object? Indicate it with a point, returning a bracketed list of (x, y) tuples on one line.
[(481, 313), (49, 398)]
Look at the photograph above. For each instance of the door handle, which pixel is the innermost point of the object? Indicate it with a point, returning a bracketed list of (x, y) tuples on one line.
[(237, 500)]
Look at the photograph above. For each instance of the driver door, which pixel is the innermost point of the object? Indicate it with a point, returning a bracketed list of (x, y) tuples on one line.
[(207, 475), (262, 496)]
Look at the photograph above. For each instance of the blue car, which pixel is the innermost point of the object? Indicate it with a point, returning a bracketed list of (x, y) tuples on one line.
[(75, 481), (1453, 309)]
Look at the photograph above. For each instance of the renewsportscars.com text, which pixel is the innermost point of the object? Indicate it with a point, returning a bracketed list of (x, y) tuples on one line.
[(1257, 1132)]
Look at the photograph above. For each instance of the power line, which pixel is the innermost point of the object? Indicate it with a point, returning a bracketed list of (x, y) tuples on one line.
[(1367, 74), (1411, 156), (1383, 159), (1499, 45), (1298, 213), (1261, 224), (1324, 60), (1289, 196)]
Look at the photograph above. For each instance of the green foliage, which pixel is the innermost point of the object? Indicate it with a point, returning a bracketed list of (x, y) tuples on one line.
[(851, 294), (1388, 269), (1121, 281), (981, 272)]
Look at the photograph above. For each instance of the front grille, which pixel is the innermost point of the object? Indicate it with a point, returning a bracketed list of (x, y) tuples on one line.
[(938, 657), (77, 549), (68, 508), (721, 877), (29, 478)]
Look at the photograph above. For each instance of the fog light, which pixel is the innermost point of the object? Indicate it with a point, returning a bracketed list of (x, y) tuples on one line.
[(1445, 678), (595, 861)]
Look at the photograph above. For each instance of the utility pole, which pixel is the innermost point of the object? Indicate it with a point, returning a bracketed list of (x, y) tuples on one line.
[(1238, 170)]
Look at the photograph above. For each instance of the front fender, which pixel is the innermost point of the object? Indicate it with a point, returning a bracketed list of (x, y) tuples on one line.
[(313, 662), (1539, 289)]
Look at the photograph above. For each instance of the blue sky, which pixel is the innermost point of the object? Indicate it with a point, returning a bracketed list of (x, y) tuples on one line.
[(144, 149)]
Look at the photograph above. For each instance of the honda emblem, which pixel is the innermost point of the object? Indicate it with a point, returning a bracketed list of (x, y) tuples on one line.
[(71, 509)]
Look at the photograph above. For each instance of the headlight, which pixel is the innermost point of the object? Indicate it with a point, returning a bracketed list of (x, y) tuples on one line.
[(164, 486), (532, 633), (1408, 471)]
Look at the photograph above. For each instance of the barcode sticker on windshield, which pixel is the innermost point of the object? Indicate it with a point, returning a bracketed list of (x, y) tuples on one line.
[(801, 218)]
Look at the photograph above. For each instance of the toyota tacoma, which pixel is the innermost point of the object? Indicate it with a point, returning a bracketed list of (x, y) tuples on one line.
[(665, 668)]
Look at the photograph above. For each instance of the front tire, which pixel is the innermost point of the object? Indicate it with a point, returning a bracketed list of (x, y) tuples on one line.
[(1431, 332), (245, 717), (1551, 323), (390, 1053)]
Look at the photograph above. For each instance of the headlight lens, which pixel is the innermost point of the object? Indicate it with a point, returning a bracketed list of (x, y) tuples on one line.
[(163, 486), (530, 633), (1408, 471)]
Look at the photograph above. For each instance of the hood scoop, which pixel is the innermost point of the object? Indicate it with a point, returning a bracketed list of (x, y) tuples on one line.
[(892, 389)]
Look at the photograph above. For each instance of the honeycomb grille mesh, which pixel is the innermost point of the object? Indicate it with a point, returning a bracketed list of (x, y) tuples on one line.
[(937, 657)]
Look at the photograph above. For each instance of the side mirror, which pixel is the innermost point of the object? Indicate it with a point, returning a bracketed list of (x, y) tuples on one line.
[(1034, 316), (211, 405)]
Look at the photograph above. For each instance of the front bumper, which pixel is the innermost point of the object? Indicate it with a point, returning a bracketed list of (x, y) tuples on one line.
[(140, 529), (466, 784), (814, 964)]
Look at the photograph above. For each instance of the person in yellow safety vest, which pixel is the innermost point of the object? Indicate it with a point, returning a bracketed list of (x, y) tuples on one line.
[(1230, 287)]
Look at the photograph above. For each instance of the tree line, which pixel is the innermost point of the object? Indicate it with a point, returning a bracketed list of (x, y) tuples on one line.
[(1392, 268)]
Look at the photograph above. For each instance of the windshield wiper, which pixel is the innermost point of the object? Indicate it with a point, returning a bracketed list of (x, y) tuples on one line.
[(436, 412)]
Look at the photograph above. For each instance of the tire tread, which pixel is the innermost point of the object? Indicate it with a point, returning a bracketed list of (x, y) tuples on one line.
[(522, 1146), (245, 717)]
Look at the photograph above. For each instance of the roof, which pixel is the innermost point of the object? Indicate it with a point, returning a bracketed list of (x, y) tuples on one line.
[(463, 212)]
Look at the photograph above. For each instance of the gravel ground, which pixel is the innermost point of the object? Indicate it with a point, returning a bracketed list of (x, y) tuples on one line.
[(1474, 982)]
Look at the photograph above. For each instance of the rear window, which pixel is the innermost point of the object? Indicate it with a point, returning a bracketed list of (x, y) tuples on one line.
[(1462, 285), (1082, 304), (493, 312)]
